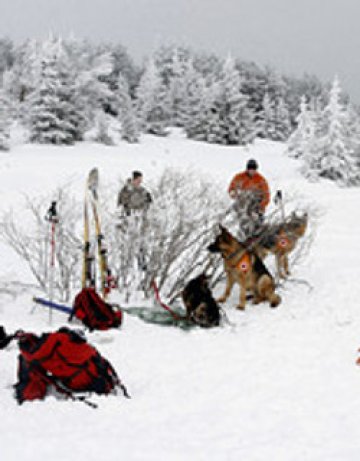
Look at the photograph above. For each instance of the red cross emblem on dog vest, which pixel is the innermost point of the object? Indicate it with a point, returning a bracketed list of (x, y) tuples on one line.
[(283, 241), (244, 264)]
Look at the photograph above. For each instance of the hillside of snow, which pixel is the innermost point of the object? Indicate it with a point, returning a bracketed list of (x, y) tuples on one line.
[(279, 384)]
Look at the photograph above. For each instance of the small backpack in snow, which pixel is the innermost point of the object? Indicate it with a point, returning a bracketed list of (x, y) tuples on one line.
[(95, 313)]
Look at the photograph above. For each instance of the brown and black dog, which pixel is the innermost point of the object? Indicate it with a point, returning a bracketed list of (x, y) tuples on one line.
[(244, 267), (280, 240), (200, 304)]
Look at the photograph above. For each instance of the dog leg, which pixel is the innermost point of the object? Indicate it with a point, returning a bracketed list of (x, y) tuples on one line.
[(257, 299), (279, 266), (286, 265), (228, 288), (266, 291), (242, 300)]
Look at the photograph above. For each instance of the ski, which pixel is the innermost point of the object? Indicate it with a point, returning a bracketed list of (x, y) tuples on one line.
[(106, 279), (88, 275), (52, 305)]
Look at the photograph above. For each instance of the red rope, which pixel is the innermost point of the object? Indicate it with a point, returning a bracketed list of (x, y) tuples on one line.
[(163, 305)]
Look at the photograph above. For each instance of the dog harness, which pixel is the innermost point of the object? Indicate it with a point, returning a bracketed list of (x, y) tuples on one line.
[(244, 264)]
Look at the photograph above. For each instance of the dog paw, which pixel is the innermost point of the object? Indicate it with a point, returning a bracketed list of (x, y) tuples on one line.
[(275, 301)]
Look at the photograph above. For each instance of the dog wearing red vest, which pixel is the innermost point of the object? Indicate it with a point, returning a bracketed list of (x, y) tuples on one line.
[(280, 240), (244, 267)]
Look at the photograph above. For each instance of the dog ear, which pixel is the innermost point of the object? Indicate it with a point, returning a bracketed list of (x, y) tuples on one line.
[(202, 277), (223, 229)]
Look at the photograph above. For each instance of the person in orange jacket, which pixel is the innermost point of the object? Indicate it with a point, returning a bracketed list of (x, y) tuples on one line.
[(251, 180)]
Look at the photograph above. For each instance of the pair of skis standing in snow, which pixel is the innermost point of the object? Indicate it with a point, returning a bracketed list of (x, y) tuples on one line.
[(63, 360)]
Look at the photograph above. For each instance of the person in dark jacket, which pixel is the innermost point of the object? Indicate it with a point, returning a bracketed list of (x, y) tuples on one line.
[(133, 197), (133, 203)]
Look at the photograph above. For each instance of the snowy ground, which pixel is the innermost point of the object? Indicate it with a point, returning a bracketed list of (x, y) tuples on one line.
[(281, 384)]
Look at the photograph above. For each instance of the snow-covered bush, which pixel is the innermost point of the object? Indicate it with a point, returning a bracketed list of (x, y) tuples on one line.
[(172, 239), (171, 243)]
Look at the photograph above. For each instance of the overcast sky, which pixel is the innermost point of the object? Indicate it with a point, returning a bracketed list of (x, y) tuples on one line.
[(316, 36)]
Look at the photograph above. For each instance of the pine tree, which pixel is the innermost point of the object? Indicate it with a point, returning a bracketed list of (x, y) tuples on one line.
[(302, 139), (177, 91), (91, 67), (333, 156), (101, 122), (152, 104), (54, 116), (235, 120), (5, 110), (282, 120), (196, 105), (267, 118), (275, 121), (127, 116)]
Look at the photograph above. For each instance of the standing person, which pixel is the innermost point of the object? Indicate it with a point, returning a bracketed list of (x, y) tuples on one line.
[(133, 197), (133, 202), (251, 194), (251, 180)]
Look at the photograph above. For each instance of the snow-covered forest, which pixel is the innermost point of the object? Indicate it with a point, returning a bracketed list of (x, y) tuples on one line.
[(61, 91)]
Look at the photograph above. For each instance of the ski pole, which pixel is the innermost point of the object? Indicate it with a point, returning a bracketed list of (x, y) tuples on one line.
[(52, 217), (278, 199)]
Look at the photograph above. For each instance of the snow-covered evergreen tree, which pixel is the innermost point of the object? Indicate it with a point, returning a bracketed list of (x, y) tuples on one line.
[(22, 78), (151, 101), (235, 120), (177, 88), (333, 156), (54, 116), (275, 119), (267, 118), (126, 110), (302, 139), (4, 121), (197, 105), (282, 120), (90, 67), (101, 127)]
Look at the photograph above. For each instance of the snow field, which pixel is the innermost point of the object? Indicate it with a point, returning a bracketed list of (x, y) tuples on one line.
[(280, 383)]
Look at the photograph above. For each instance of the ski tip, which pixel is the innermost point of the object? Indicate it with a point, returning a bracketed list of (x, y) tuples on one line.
[(93, 178)]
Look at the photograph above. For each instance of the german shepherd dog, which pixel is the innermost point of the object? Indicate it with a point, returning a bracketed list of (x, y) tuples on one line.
[(244, 267), (201, 307), (280, 240)]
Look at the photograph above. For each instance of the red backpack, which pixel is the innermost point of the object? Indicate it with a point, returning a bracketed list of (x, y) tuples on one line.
[(95, 313), (65, 360)]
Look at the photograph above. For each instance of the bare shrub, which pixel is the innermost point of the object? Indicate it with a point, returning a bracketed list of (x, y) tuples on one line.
[(28, 234), (169, 241), (167, 244)]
